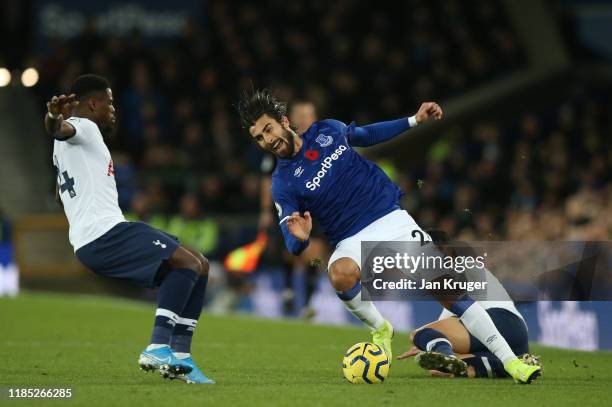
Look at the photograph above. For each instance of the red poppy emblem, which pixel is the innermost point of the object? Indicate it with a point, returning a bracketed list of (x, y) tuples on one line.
[(311, 154)]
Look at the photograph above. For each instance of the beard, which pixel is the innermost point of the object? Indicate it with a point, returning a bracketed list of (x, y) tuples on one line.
[(288, 138)]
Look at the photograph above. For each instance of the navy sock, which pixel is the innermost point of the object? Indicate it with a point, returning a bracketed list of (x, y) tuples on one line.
[(486, 364), (431, 340), (183, 331), (174, 292)]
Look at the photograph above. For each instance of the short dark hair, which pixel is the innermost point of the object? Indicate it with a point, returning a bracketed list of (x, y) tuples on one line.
[(86, 85), (254, 104)]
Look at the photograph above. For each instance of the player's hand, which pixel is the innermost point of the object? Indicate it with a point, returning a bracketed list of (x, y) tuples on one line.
[(62, 104), (299, 226), (427, 110), (412, 352)]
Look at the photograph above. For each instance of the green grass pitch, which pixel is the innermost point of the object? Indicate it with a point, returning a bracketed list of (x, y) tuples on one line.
[(92, 344)]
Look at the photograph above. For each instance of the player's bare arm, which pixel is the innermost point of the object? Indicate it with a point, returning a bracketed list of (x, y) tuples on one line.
[(299, 226), (57, 108)]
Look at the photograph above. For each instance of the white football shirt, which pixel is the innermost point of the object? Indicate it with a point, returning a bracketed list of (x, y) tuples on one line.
[(86, 182)]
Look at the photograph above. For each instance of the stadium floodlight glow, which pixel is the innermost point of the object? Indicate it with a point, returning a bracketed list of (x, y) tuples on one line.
[(5, 77), (29, 77)]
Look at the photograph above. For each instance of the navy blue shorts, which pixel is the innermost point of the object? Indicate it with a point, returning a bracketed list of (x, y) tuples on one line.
[(510, 326), (131, 251)]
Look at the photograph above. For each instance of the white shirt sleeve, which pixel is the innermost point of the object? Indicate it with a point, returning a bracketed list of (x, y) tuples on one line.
[(85, 130)]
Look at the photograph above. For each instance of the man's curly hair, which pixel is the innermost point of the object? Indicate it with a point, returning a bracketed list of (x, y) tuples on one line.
[(254, 104)]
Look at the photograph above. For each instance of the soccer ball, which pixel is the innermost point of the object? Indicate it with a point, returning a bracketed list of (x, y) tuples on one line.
[(365, 362)]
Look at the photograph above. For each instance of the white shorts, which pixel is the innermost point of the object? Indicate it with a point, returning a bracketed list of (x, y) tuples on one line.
[(396, 226)]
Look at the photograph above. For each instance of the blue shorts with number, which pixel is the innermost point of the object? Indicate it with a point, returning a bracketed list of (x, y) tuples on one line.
[(131, 251)]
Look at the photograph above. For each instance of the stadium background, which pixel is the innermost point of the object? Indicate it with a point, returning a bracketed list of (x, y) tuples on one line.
[(522, 154)]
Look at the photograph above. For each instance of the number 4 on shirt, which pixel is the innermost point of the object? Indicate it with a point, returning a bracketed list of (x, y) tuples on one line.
[(67, 185)]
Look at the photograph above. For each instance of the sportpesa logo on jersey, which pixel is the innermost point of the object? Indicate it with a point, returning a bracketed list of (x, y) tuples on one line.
[(325, 165)]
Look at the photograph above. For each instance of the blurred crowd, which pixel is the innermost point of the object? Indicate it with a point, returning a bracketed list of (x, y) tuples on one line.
[(175, 98), (546, 176), (181, 158)]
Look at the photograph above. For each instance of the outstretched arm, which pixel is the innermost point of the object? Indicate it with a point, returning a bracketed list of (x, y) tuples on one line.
[(57, 108), (380, 132)]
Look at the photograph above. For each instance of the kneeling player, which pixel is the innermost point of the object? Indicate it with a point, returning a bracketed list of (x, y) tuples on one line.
[(447, 349)]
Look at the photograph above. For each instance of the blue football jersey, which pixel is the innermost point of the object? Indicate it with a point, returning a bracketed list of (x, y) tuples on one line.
[(342, 190)]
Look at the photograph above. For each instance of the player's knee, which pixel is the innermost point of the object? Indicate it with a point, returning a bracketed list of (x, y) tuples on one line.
[(196, 265), (205, 265), (186, 260), (343, 274)]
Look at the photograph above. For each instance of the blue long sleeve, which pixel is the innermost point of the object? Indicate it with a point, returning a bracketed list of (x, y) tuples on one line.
[(294, 246), (375, 133)]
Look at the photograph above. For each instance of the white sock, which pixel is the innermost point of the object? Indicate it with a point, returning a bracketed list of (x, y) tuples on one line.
[(478, 322), (365, 311), (154, 346), (181, 355)]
